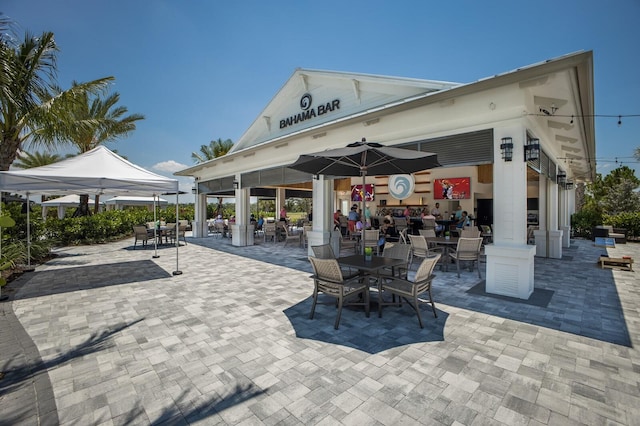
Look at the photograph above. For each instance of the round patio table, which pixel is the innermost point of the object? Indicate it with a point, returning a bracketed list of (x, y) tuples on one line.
[(443, 241)]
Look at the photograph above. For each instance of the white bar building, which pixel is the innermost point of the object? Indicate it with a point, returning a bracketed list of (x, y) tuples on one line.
[(524, 139)]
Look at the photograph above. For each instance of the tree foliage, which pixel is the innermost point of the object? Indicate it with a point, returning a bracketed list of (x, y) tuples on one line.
[(93, 120), (215, 149), (30, 101), (28, 160), (610, 200)]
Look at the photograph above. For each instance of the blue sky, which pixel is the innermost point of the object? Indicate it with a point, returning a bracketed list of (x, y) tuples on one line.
[(201, 70)]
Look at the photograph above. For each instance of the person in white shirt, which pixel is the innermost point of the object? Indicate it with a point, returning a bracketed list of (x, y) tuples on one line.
[(436, 211)]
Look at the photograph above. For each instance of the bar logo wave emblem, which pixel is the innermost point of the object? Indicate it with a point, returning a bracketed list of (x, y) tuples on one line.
[(401, 186)]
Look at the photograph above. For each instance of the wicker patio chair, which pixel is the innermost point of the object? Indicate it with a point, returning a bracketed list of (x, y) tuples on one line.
[(328, 279), (470, 232), (289, 236), (349, 243), (140, 233), (420, 248), (325, 251), (370, 238), (428, 234), (411, 291), (270, 232), (396, 251), (467, 250)]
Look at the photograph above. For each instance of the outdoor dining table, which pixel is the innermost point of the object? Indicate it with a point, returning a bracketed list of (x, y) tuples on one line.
[(443, 241), (370, 267)]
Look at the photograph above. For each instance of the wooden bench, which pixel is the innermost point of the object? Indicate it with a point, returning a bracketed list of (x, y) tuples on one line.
[(623, 263)]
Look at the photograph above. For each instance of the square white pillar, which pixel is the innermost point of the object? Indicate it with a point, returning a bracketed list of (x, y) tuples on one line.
[(510, 260), (199, 227), (242, 230), (510, 271), (322, 214)]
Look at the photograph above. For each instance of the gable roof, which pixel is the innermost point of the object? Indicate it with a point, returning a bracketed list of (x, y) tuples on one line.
[(99, 171), (321, 96)]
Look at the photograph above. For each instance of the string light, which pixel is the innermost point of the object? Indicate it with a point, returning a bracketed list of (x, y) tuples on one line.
[(547, 113)]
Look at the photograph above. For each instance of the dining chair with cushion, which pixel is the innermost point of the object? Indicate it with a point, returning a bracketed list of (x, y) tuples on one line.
[(467, 250), (140, 233), (411, 290), (329, 280)]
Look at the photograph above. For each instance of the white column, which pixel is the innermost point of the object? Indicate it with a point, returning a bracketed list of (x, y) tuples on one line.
[(281, 198), (555, 234), (199, 225), (564, 219), (541, 233), (510, 260), (241, 232), (323, 215)]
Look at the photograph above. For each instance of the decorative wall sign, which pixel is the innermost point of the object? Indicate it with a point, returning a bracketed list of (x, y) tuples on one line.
[(401, 186)]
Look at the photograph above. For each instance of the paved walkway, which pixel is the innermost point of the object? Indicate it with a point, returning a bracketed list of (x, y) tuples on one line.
[(108, 335)]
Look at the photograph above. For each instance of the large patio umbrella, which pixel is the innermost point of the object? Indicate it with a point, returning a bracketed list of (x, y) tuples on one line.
[(365, 159)]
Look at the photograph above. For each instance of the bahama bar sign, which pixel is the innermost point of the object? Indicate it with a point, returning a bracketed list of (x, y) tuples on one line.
[(308, 112)]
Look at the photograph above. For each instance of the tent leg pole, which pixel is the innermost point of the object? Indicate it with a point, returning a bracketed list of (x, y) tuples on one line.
[(177, 271), (2, 298), (155, 229)]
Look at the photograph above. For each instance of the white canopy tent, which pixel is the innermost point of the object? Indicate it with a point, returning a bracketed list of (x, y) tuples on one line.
[(96, 172), (62, 204), (120, 201)]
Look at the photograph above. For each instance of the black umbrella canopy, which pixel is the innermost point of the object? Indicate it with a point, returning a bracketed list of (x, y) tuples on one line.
[(365, 159)]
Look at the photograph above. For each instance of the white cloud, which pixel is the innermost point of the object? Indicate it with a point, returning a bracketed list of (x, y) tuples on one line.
[(169, 166)]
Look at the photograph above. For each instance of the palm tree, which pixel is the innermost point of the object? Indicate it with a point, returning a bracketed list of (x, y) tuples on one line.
[(28, 160), (29, 102), (215, 149), (96, 121)]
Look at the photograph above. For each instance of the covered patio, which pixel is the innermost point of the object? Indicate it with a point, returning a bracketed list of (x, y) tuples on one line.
[(231, 343), (525, 139)]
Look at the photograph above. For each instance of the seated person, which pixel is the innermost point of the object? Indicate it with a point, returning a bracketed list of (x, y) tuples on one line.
[(260, 223), (389, 231), (464, 220)]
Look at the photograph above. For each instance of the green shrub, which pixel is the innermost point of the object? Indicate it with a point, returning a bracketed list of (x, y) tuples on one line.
[(582, 222), (626, 220)]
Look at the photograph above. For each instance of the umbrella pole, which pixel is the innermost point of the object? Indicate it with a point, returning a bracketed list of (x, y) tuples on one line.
[(364, 197), (155, 228), (177, 271)]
